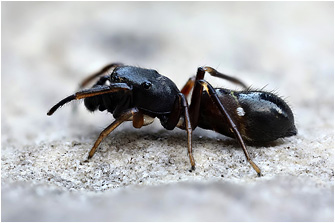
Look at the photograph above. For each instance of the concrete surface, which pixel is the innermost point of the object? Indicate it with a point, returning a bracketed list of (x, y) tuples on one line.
[(142, 175)]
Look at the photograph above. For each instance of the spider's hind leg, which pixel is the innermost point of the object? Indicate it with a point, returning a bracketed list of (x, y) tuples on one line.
[(198, 86), (211, 92)]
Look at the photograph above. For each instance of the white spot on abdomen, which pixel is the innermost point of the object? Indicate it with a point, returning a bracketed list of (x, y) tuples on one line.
[(279, 110), (240, 111)]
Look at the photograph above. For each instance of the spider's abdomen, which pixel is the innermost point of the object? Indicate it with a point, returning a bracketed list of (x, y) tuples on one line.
[(260, 116)]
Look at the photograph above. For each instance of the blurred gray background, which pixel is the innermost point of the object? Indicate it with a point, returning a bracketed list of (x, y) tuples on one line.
[(49, 47)]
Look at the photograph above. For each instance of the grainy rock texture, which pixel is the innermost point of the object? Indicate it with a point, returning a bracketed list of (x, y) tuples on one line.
[(143, 175)]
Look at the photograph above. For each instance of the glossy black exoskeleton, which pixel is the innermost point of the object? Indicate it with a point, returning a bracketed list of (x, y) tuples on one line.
[(134, 94), (251, 116), (260, 116), (140, 95)]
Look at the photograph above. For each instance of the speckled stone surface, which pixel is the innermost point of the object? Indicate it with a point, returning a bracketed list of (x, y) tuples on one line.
[(143, 175)]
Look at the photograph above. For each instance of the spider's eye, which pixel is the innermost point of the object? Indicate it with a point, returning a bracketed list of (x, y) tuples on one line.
[(146, 85)]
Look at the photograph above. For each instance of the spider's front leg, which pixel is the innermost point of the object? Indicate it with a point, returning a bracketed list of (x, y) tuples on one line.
[(131, 114), (106, 70)]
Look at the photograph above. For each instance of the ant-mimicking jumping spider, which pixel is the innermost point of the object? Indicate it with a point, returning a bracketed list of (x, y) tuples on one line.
[(140, 95)]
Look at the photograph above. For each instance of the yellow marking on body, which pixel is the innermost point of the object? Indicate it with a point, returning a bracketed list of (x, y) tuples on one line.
[(232, 93), (205, 85)]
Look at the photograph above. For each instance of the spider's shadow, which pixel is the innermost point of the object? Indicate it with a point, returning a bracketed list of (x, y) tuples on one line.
[(174, 138)]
